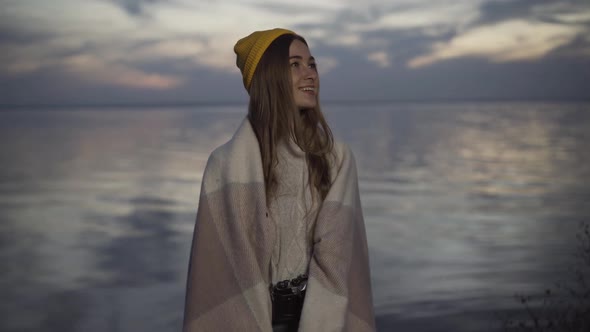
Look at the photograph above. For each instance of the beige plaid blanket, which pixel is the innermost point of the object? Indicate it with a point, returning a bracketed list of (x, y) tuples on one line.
[(229, 270)]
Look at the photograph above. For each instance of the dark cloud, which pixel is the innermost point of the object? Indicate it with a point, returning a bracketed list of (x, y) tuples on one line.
[(498, 11), (282, 8), (53, 86), (13, 35), (458, 79), (579, 47), (138, 7), (409, 43), (135, 7), (556, 77)]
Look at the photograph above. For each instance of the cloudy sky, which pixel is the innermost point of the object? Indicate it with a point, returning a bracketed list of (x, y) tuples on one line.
[(167, 51)]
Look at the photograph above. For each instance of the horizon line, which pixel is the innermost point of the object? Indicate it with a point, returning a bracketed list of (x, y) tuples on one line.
[(134, 104)]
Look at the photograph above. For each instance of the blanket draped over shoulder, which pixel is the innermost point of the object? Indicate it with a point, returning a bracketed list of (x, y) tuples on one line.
[(229, 270)]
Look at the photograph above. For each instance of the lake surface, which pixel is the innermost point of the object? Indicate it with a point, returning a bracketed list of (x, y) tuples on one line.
[(465, 204)]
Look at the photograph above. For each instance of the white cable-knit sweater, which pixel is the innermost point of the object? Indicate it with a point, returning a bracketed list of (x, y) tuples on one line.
[(292, 211)]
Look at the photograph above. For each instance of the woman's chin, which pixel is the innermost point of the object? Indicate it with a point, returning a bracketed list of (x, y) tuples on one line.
[(306, 106)]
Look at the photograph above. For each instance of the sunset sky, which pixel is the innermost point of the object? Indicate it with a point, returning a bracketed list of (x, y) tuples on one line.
[(181, 51)]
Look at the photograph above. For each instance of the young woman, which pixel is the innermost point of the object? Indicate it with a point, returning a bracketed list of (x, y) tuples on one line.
[(279, 241)]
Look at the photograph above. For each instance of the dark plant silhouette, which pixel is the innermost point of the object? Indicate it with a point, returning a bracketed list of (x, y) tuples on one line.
[(567, 307)]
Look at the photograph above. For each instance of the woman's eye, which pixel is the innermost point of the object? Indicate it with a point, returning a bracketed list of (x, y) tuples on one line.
[(295, 64), (313, 65)]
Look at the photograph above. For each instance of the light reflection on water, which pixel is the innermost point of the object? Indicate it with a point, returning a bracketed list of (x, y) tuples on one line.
[(465, 204), (468, 204)]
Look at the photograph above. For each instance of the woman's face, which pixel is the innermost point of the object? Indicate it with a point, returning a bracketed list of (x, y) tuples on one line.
[(304, 75)]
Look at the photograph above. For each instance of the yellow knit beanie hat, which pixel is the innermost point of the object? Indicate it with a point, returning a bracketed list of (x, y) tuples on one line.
[(250, 49)]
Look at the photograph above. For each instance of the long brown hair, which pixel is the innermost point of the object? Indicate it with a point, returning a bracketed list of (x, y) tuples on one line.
[(275, 117)]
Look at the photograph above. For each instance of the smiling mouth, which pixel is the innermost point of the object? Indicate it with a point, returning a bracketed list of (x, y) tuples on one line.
[(308, 90)]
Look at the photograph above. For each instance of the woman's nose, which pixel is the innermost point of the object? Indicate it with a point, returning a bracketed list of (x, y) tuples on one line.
[(310, 73)]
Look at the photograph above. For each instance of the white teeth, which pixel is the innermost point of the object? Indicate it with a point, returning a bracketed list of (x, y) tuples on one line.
[(308, 89)]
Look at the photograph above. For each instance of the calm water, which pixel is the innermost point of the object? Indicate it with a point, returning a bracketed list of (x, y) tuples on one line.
[(465, 204)]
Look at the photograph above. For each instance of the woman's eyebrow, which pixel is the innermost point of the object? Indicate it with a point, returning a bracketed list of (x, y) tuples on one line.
[(300, 57)]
